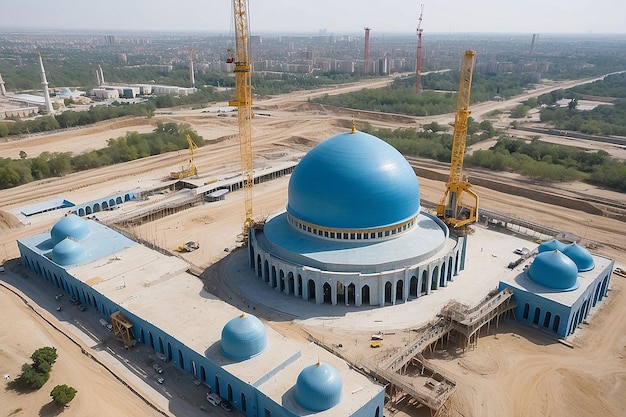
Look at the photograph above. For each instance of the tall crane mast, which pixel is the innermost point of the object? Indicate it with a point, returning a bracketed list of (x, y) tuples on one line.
[(451, 208), (243, 102), (418, 64)]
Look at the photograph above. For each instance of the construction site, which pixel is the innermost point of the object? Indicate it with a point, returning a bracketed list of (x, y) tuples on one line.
[(391, 324)]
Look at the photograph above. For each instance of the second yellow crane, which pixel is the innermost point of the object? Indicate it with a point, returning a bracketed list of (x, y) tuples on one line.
[(191, 169), (452, 208), (243, 102)]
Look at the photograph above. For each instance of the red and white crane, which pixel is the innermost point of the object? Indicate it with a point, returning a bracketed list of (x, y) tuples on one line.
[(418, 65)]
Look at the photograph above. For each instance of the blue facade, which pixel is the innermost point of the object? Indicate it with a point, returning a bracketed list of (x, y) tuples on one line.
[(543, 310)]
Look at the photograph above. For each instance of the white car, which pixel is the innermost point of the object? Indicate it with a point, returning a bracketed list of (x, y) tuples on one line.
[(214, 399), (160, 380)]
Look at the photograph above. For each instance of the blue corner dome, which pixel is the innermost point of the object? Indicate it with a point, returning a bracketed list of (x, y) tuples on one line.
[(353, 180), (68, 252), (551, 245), (554, 270), (71, 226), (319, 387), (581, 257), (243, 337)]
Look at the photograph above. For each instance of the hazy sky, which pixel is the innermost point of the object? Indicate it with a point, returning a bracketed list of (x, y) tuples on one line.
[(336, 16)]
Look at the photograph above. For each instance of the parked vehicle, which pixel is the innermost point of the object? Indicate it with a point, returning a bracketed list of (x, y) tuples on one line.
[(160, 380), (58, 296), (226, 405), (157, 368), (106, 325), (213, 399)]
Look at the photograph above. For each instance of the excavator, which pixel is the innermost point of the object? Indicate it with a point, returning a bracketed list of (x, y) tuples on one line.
[(191, 170), (453, 209)]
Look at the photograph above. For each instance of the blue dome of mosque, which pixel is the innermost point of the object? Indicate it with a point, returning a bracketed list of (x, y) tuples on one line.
[(318, 387), (554, 270), (551, 245), (71, 226), (581, 257), (68, 252), (353, 180), (243, 337)]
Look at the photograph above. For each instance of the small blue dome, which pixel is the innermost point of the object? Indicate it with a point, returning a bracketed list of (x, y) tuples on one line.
[(353, 181), (581, 257), (551, 245), (243, 337), (554, 270), (319, 387), (68, 252), (71, 226)]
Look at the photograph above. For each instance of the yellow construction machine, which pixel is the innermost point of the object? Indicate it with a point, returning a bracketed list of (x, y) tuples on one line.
[(191, 170), (452, 208)]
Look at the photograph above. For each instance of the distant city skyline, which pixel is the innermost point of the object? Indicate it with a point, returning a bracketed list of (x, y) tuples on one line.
[(311, 17)]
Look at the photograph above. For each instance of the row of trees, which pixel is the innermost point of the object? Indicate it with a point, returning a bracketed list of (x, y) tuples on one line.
[(167, 137), (551, 162), (536, 159), (400, 97), (434, 142)]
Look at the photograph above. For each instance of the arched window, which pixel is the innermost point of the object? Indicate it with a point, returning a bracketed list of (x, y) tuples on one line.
[(526, 310)]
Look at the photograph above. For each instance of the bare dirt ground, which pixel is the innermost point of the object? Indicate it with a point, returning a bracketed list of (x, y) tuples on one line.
[(529, 373)]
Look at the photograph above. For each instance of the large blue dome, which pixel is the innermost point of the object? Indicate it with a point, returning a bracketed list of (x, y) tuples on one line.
[(71, 226), (319, 387), (68, 252), (554, 270), (581, 256), (353, 181), (243, 337)]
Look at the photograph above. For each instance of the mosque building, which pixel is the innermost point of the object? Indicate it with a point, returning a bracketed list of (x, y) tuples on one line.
[(353, 231), (260, 371), (559, 288)]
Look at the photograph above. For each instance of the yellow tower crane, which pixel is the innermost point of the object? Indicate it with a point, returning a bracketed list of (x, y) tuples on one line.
[(452, 209), (243, 101)]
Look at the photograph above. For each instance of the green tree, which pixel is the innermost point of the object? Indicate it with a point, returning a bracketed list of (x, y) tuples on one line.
[(62, 395), (45, 354), (30, 378), (23, 155)]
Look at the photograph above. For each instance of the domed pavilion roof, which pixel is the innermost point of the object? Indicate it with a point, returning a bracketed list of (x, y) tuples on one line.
[(71, 226), (318, 387), (353, 181), (554, 270), (243, 337), (581, 257), (68, 252)]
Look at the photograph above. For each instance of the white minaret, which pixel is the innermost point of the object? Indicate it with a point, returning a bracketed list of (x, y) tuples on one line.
[(3, 90), (44, 83), (101, 75), (191, 77)]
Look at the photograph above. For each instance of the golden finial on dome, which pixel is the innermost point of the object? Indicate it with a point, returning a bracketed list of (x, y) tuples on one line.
[(243, 315), (353, 126)]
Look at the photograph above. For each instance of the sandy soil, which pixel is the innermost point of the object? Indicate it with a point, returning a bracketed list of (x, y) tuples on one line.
[(531, 374)]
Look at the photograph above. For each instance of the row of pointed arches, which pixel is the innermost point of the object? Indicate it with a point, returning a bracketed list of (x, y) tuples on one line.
[(356, 289), (102, 205)]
